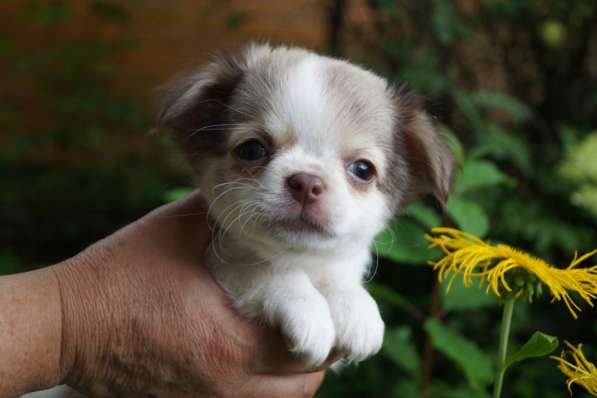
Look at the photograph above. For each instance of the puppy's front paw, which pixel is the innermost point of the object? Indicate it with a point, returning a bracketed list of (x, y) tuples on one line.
[(307, 324), (359, 327)]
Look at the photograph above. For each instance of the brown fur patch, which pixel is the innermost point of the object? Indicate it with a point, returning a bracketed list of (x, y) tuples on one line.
[(201, 123), (421, 162)]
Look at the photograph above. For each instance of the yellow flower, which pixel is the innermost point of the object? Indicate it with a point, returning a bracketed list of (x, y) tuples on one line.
[(581, 372), (469, 256)]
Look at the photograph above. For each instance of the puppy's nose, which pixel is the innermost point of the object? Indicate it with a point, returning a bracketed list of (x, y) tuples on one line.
[(305, 188)]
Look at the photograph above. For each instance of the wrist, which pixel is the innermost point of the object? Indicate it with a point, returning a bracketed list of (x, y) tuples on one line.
[(30, 332), (85, 317)]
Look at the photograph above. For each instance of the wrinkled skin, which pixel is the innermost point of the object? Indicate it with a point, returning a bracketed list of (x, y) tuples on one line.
[(142, 317)]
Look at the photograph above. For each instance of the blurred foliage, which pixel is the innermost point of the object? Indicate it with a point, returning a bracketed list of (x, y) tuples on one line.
[(513, 85), (580, 167), (515, 81), (75, 161)]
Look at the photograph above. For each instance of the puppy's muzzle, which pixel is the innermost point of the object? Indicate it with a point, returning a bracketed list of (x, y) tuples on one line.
[(305, 188)]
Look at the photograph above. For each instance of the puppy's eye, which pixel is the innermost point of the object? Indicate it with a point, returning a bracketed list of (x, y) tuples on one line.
[(362, 169), (251, 150)]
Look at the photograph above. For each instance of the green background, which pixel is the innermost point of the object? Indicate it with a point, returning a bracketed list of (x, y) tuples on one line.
[(528, 177)]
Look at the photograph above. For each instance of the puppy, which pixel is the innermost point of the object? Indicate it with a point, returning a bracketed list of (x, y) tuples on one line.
[(303, 160)]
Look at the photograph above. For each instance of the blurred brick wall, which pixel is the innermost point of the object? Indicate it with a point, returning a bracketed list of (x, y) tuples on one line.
[(174, 35)]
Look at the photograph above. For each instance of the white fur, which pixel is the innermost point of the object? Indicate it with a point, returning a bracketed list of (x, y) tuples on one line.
[(308, 284)]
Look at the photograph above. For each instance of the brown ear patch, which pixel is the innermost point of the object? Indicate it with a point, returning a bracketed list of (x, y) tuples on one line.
[(429, 160), (196, 107)]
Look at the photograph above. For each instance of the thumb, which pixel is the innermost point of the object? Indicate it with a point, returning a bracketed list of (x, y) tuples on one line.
[(286, 386)]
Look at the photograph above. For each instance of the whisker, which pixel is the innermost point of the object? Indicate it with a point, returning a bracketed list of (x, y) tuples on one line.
[(254, 213), (183, 215), (215, 200), (372, 273), (213, 127), (242, 210), (237, 181), (228, 107)]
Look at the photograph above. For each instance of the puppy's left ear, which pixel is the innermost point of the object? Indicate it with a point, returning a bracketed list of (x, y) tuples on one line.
[(192, 101), (431, 163), (196, 107)]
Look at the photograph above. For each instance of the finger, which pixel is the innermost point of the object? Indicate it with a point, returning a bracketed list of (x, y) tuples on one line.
[(271, 355), (332, 359), (185, 218), (291, 386), (191, 205), (192, 202)]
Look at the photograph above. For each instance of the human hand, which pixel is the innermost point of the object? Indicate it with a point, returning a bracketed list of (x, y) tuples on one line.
[(142, 317)]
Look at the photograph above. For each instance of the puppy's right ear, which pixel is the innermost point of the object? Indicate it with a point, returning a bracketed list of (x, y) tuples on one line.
[(431, 163), (196, 107)]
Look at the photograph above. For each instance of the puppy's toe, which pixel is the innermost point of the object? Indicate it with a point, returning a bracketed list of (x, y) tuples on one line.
[(359, 327), (310, 332)]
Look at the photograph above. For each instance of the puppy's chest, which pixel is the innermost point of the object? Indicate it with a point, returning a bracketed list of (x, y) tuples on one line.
[(240, 270)]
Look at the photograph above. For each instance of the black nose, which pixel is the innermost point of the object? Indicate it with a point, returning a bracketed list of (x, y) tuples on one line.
[(305, 188)]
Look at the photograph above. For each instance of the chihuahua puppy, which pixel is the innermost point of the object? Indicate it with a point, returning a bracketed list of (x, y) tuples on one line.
[(303, 159)]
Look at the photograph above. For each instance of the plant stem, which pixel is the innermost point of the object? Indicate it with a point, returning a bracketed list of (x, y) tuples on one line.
[(503, 348), (427, 365)]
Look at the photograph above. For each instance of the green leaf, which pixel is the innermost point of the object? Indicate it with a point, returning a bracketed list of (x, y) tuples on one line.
[(176, 193), (384, 293), (444, 390), (406, 389), (453, 143), (466, 104), (466, 354), (488, 99), (461, 298), (468, 215), (404, 242), (399, 347), (424, 214), (442, 19), (503, 145), (476, 174), (569, 136), (466, 393), (391, 8), (539, 345)]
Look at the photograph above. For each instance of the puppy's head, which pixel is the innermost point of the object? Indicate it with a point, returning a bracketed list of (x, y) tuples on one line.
[(296, 149)]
